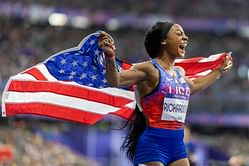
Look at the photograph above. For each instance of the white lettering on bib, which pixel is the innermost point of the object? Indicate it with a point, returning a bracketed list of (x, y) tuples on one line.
[(174, 109)]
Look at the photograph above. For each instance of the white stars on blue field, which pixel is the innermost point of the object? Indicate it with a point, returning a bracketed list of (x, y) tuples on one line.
[(84, 66)]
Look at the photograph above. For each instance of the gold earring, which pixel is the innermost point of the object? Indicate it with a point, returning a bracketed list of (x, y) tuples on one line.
[(163, 43)]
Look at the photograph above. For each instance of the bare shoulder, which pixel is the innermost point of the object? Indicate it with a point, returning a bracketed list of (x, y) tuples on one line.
[(146, 67), (151, 80)]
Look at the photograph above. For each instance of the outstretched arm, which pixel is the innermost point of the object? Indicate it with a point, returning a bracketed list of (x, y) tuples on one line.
[(115, 78), (202, 83)]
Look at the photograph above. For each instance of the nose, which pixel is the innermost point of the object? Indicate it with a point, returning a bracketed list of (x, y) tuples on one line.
[(185, 37)]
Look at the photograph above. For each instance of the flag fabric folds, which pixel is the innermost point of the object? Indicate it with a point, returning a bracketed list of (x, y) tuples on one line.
[(71, 85), (201, 66)]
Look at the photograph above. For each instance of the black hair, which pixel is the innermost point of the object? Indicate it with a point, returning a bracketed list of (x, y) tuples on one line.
[(155, 35), (137, 122), (135, 126)]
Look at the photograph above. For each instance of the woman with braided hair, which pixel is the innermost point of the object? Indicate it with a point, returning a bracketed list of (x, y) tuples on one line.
[(156, 130)]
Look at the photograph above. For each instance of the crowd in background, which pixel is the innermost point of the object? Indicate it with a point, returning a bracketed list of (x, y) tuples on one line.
[(206, 146), (35, 143), (23, 45), (205, 8), (29, 148)]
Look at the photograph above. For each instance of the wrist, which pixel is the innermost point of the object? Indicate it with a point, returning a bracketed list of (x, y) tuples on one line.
[(110, 56), (220, 71)]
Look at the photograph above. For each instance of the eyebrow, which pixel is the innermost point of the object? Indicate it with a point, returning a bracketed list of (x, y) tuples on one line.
[(179, 30)]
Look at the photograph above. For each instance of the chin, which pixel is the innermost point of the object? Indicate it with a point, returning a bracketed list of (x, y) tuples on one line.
[(180, 55)]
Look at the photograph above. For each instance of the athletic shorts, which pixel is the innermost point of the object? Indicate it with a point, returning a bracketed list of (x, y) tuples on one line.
[(160, 145)]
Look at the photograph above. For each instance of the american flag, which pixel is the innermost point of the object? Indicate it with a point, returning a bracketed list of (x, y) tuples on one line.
[(201, 66), (71, 85)]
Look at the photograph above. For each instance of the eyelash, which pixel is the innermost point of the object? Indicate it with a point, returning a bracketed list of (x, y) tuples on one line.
[(179, 33)]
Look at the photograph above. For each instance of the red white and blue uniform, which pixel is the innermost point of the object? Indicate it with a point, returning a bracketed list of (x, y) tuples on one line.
[(165, 109)]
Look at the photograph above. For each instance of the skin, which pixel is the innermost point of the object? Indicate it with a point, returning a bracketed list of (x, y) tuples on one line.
[(146, 76)]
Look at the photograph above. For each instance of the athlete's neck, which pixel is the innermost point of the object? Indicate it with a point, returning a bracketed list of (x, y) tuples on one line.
[(167, 64)]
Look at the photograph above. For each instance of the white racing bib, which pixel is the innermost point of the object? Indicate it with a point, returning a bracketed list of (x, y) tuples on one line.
[(174, 109)]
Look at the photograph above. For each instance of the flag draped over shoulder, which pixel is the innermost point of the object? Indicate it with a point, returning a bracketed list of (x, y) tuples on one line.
[(71, 85)]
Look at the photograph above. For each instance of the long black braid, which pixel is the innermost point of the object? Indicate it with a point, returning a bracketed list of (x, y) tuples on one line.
[(137, 123)]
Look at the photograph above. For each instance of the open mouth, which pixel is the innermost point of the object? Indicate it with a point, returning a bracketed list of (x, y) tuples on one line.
[(183, 46)]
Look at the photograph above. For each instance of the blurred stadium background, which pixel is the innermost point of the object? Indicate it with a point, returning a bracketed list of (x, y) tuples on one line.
[(218, 119)]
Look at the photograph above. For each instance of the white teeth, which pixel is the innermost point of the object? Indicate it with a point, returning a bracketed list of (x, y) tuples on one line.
[(182, 46)]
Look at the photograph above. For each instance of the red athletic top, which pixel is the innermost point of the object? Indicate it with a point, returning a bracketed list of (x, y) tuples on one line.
[(166, 106)]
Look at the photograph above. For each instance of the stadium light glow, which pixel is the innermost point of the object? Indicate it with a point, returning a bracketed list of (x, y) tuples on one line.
[(244, 31), (113, 24), (57, 19), (248, 74), (81, 22), (243, 71)]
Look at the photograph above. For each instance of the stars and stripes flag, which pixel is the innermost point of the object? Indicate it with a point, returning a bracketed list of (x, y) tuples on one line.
[(201, 66), (71, 85)]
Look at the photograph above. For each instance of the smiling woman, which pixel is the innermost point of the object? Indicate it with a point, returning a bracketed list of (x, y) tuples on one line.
[(175, 38), (155, 135), (155, 132)]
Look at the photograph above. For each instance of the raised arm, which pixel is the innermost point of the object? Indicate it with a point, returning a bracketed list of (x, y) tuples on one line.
[(115, 78), (202, 83)]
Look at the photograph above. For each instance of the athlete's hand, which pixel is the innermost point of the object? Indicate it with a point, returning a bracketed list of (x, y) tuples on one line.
[(106, 42), (226, 65)]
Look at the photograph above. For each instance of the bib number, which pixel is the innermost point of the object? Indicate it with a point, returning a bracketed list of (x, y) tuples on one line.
[(174, 109)]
